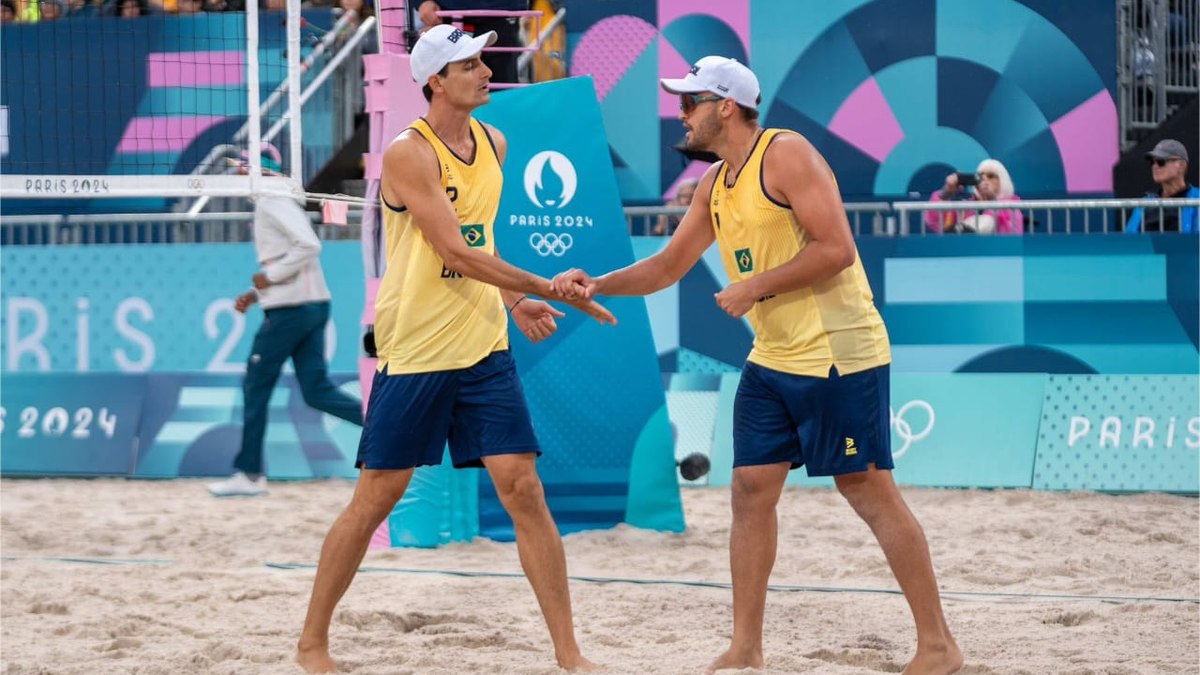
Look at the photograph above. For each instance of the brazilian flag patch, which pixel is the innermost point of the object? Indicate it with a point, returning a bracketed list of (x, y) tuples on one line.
[(745, 261), (473, 235)]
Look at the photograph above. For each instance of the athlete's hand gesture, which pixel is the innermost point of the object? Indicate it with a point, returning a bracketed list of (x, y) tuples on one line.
[(737, 298), (535, 318)]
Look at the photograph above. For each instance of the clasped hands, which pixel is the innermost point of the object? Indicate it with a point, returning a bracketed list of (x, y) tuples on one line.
[(735, 300), (535, 318)]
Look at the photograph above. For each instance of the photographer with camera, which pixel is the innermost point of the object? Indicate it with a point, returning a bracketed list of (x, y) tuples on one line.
[(991, 182)]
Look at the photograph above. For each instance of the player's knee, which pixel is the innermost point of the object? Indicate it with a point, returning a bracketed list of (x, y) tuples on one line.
[(374, 507), (750, 494), (522, 492), (864, 497)]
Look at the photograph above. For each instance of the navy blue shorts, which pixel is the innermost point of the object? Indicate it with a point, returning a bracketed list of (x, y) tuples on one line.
[(480, 410), (832, 426)]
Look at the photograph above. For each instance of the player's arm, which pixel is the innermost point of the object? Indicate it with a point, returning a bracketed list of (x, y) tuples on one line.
[(411, 170), (693, 236), (795, 174), (411, 178)]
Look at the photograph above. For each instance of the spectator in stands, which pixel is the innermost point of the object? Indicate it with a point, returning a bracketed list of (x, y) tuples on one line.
[(508, 31), (8, 11), (82, 8), (362, 10), (189, 6), (290, 286), (683, 197), (993, 184), (52, 10), (131, 9), (1168, 166)]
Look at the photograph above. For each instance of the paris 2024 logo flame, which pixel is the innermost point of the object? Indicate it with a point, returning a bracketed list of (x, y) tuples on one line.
[(550, 180)]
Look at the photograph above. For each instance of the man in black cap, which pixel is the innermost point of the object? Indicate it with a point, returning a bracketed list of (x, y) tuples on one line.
[(1168, 165)]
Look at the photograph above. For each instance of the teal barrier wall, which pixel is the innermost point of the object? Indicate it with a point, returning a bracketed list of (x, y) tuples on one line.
[(163, 425), (133, 309), (1128, 433), (948, 430), (1067, 305)]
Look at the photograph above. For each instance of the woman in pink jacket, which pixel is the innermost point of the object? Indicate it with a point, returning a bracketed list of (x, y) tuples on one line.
[(994, 185)]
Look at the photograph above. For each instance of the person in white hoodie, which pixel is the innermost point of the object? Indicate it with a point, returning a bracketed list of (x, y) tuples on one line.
[(290, 287)]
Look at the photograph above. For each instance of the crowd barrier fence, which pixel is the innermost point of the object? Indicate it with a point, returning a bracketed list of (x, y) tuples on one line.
[(886, 219)]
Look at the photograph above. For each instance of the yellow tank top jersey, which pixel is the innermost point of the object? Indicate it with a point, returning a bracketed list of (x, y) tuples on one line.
[(428, 317), (803, 332)]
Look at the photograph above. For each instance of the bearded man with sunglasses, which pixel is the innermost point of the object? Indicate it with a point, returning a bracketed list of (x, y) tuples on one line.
[(1168, 166), (814, 389)]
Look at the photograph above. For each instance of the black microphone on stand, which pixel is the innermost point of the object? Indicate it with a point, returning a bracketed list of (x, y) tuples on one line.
[(694, 466)]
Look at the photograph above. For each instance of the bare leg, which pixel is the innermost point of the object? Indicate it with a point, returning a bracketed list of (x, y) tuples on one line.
[(341, 554), (541, 551), (752, 543), (878, 501)]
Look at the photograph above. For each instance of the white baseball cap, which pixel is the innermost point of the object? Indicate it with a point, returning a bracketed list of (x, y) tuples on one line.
[(444, 44), (720, 75)]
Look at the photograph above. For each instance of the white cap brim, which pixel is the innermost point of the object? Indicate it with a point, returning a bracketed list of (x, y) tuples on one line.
[(472, 47), (686, 85)]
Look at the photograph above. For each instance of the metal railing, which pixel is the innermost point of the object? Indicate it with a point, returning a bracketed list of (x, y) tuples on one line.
[(867, 219), (1158, 59), (526, 65), (152, 228), (1055, 216)]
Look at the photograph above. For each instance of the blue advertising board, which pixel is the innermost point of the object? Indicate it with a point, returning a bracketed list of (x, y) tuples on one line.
[(948, 430), (1120, 433), (53, 425), (140, 309), (163, 425)]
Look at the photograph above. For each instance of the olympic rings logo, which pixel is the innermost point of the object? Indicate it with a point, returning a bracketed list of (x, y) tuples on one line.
[(904, 430), (551, 244)]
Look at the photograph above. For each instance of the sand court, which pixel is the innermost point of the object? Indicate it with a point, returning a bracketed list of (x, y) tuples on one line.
[(149, 577)]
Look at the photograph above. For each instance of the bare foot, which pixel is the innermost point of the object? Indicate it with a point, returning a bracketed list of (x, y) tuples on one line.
[(732, 660), (577, 664), (316, 660), (936, 661)]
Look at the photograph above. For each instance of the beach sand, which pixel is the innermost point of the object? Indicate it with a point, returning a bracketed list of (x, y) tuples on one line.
[(1074, 583)]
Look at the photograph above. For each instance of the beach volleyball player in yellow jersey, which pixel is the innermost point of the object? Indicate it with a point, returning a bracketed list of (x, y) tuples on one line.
[(814, 390), (441, 329)]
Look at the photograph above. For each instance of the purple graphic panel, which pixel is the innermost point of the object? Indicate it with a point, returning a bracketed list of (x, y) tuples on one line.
[(196, 69), (1087, 163), (609, 48), (164, 134), (866, 121)]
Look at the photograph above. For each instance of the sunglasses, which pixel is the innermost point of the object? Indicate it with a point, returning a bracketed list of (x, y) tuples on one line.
[(688, 102), (1162, 162)]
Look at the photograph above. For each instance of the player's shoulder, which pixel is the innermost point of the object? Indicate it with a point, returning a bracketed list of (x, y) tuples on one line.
[(785, 141), (493, 131), (409, 140), (704, 185), (791, 151), (497, 138), (408, 146)]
